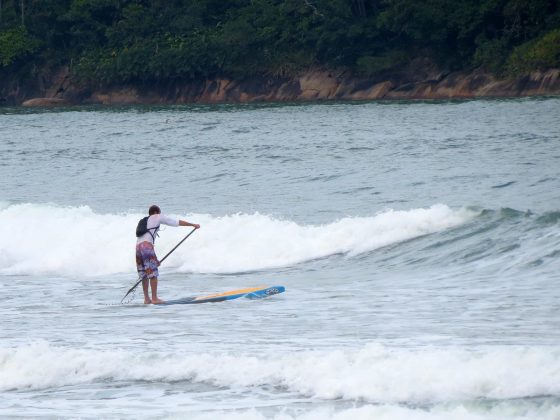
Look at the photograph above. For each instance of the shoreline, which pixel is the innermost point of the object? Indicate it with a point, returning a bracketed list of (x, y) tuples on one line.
[(418, 83), (272, 103)]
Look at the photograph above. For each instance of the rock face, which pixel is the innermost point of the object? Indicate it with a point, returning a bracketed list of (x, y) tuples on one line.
[(420, 80), (44, 102), (325, 85)]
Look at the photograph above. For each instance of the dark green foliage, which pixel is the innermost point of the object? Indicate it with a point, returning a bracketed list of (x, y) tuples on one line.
[(370, 66), (492, 54), (538, 54), (16, 45), (140, 41)]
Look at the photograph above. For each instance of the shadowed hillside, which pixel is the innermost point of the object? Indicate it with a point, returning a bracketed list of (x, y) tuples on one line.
[(174, 50)]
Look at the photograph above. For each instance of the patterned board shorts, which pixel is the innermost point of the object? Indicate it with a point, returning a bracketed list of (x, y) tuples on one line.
[(146, 261)]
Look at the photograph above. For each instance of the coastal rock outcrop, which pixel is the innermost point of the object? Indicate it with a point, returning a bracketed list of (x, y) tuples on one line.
[(41, 102), (419, 80)]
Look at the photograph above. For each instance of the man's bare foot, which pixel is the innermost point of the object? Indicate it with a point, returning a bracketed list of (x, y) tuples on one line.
[(156, 301), (147, 301)]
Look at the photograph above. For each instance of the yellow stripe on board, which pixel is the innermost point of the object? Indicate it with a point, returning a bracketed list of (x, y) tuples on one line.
[(233, 292)]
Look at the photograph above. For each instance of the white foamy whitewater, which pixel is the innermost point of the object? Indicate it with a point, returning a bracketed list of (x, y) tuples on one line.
[(44, 239), (418, 244)]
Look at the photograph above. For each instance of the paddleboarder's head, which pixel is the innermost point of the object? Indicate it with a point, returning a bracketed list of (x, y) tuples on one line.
[(154, 210)]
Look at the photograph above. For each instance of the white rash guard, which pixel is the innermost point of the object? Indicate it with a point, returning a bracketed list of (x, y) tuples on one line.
[(153, 226)]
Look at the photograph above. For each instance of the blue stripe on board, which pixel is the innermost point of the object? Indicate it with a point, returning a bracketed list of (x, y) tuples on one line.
[(256, 294)]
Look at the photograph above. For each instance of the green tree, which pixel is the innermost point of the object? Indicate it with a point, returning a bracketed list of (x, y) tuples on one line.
[(15, 45), (539, 54)]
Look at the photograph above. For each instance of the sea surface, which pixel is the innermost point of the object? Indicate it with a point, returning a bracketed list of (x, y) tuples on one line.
[(419, 244)]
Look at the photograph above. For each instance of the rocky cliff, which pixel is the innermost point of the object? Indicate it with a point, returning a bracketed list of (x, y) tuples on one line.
[(423, 81)]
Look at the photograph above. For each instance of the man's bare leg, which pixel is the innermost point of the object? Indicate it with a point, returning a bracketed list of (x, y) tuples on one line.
[(147, 299), (153, 285)]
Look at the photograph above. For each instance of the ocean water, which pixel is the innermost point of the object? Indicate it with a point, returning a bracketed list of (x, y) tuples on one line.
[(419, 244)]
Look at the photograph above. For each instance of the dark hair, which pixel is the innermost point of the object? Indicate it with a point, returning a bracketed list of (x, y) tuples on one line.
[(154, 210)]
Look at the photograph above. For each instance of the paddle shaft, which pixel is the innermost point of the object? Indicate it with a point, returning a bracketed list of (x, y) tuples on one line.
[(176, 246), (160, 261)]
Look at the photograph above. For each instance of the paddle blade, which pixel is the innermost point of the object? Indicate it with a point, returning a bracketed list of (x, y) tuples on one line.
[(130, 290)]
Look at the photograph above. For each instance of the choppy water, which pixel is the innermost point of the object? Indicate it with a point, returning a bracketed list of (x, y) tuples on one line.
[(419, 244)]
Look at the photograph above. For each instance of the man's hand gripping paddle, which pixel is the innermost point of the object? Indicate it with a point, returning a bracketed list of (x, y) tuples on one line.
[(160, 261)]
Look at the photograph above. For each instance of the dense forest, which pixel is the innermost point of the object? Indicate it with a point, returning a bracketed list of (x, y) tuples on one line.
[(137, 41)]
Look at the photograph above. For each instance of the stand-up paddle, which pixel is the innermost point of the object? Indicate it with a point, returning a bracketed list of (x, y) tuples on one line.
[(160, 261)]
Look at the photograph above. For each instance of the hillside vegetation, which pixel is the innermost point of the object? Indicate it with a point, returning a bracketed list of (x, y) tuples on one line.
[(139, 41)]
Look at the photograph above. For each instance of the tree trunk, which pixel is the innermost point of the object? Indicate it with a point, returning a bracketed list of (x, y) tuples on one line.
[(359, 8), (22, 3)]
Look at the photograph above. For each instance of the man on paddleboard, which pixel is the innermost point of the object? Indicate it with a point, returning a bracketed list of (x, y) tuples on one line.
[(147, 262)]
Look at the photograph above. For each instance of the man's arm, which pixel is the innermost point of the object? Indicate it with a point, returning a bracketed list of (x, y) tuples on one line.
[(174, 222), (185, 223)]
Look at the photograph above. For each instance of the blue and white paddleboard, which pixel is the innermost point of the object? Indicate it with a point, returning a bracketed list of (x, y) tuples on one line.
[(250, 293)]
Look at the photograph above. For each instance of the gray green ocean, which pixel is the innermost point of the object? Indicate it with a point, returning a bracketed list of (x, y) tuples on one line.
[(419, 244)]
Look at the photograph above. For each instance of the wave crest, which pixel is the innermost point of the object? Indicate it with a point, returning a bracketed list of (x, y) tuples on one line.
[(67, 241), (373, 373)]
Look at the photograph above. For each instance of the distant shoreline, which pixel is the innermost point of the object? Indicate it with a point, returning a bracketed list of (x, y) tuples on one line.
[(314, 85)]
